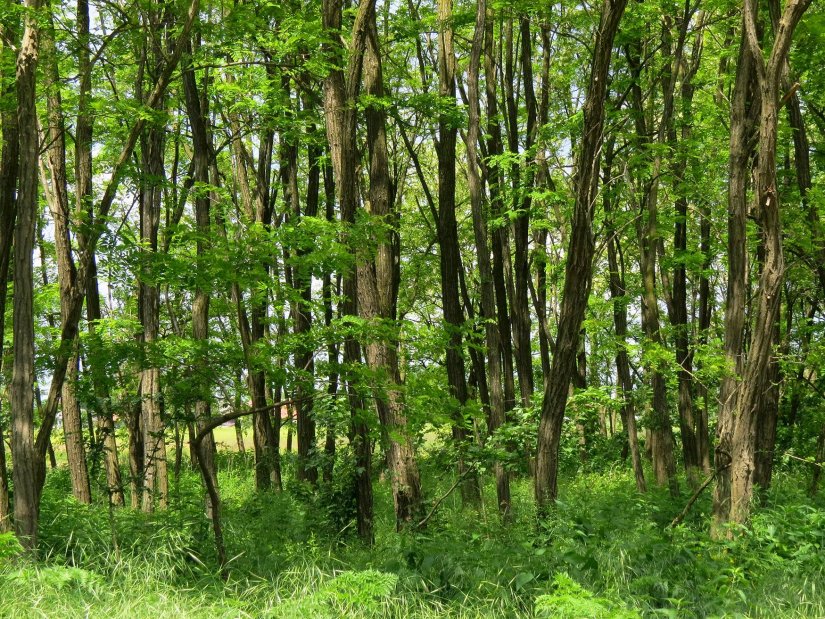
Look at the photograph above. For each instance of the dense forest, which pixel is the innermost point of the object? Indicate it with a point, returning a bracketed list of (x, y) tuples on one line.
[(422, 308)]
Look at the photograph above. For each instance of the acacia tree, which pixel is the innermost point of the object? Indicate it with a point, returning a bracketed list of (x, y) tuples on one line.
[(340, 92), (26, 499), (9, 160), (739, 413), (28, 451), (578, 274)]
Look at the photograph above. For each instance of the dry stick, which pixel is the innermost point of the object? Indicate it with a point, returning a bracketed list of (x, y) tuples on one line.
[(209, 482), (811, 462), (441, 500), (678, 519)]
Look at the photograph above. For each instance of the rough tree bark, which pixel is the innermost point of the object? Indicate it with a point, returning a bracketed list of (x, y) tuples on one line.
[(378, 295), (340, 92), (57, 192), (9, 160), (201, 154), (84, 209), (449, 256), (488, 302), (741, 127), (578, 274), (152, 146), (21, 397), (741, 423), (755, 378)]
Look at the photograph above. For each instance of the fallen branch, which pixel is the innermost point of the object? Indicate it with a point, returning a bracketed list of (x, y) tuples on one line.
[(678, 519), (441, 500), (811, 462)]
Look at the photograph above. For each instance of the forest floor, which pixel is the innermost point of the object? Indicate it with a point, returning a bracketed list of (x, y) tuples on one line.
[(605, 551)]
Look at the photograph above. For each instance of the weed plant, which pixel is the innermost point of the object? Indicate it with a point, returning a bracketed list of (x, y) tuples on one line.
[(604, 551)]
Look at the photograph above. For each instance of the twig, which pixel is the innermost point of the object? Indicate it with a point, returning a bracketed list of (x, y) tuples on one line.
[(214, 422), (811, 462), (695, 496), (441, 500)]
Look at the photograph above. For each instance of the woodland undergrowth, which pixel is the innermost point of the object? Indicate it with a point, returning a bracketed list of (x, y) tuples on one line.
[(604, 551)]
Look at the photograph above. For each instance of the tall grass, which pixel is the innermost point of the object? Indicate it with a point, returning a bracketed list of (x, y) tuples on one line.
[(604, 548)]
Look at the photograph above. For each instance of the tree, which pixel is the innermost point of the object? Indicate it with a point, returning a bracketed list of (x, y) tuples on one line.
[(732, 502), (26, 500), (578, 271)]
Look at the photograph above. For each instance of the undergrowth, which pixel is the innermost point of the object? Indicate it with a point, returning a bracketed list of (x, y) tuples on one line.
[(604, 551)]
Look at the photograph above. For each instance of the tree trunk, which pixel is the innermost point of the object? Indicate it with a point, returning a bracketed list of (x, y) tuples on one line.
[(767, 418), (332, 348), (818, 463), (449, 255), (26, 491), (488, 303), (201, 154), (340, 93), (155, 479), (702, 431), (251, 326), (9, 160), (578, 274), (378, 297), (519, 272), (618, 293), (740, 132), (106, 424), (694, 447), (306, 467), (58, 198), (755, 376)]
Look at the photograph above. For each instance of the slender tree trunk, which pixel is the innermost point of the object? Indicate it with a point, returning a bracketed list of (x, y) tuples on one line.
[(543, 179), (488, 304), (818, 463), (340, 93), (578, 275), (518, 272), (155, 479), (332, 348), (702, 431), (5, 515), (449, 255), (256, 209), (661, 431), (378, 297), (26, 491), (694, 447), (198, 119), (56, 187), (106, 424), (9, 160), (307, 469), (618, 293)]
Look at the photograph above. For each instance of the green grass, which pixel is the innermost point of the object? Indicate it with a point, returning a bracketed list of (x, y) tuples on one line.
[(605, 551)]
